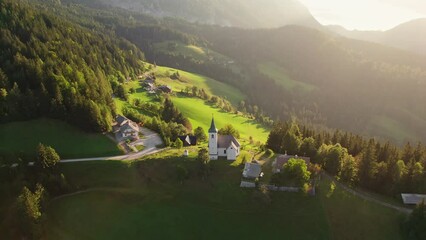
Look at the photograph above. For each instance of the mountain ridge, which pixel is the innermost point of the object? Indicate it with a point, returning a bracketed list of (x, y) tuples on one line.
[(408, 36)]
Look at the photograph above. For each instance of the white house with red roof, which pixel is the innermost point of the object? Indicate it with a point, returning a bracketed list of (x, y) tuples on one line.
[(222, 145)]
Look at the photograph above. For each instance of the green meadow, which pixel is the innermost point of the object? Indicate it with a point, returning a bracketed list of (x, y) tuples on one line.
[(22, 138), (144, 200), (187, 79), (200, 115), (197, 110)]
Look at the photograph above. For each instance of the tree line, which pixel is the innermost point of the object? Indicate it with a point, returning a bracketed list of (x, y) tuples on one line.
[(371, 164)]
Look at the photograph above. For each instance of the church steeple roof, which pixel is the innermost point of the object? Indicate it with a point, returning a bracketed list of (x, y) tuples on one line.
[(213, 128)]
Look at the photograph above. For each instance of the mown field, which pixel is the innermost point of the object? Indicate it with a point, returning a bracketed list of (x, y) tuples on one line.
[(22, 138), (144, 200), (187, 79), (200, 114), (197, 110)]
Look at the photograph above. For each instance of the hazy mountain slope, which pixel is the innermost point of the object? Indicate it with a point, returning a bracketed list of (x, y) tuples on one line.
[(355, 81), (409, 36), (241, 13)]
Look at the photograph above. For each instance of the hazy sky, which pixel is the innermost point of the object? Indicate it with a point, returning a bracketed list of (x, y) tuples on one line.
[(366, 14)]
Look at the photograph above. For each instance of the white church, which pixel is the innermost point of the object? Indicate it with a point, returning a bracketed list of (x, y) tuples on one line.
[(222, 145)]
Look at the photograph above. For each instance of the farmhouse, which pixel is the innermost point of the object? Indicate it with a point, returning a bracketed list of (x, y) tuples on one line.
[(222, 145), (278, 163), (126, 129), (188, 140), (165, 89)]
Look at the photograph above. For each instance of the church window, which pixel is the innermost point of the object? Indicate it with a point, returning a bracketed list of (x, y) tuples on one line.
[(212, 135)]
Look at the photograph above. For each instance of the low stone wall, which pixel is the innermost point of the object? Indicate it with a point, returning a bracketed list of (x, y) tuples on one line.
[(245, 184), (282, 189)]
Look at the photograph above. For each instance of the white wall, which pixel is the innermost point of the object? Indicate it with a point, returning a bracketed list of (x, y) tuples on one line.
[(213, 143), (231, 153)]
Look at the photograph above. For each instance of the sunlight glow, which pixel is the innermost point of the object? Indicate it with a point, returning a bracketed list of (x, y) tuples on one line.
[(365, 14)]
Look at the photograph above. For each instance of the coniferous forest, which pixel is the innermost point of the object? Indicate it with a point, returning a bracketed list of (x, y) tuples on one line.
[(358, 161), (54, 68)]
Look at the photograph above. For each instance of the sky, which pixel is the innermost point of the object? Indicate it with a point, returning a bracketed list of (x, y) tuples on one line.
[(366, 14)]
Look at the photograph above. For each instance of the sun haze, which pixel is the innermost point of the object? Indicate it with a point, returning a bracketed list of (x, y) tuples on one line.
[(366, 14)]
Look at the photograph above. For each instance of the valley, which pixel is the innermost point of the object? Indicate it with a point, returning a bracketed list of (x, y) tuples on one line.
[(154, 119)]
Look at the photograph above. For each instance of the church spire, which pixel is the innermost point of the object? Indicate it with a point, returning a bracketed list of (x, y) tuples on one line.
[(213, 128)]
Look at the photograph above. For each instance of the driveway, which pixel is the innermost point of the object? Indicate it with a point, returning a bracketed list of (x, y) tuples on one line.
[(150, 139)]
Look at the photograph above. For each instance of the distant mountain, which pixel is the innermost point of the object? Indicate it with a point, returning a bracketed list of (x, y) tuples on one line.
[(409, 36), (238, 13)]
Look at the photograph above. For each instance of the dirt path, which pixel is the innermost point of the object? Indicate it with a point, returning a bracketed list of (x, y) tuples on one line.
[(368, 197)]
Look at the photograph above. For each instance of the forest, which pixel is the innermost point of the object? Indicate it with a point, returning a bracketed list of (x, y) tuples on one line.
[(380, 167), (53, 68)]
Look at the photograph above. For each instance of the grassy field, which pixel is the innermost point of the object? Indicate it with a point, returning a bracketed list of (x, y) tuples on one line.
[(281, 77), (144, 200), (200, 114), (211, 86), (69, 142)]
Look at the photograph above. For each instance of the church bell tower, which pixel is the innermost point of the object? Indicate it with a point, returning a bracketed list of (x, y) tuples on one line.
[(213, 140)]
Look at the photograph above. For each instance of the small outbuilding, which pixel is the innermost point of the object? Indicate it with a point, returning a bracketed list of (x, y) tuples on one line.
[(252, 170), (413, 199), (186, 153)]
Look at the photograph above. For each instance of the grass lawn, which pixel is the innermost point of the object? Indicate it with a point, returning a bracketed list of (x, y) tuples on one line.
[(350, 217), (281, 77), (144, 200), (211, 86), (68, 141), (200, 114)]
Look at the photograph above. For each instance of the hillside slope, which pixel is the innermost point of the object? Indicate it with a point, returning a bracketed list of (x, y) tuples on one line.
[(240, 13), (354, 81)]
